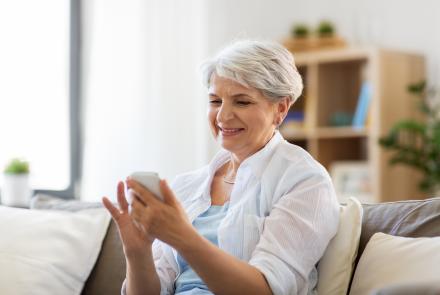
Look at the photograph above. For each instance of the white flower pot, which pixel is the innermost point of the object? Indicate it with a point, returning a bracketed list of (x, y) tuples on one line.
[(16, 190)]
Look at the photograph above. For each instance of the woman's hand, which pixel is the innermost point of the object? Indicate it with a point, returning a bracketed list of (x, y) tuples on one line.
[(165, 220), (134, 239)]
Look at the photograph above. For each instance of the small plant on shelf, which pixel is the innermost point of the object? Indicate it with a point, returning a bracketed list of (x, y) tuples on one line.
[(325, 29), (16, 190), (416, 143), (17, 166), (300, 31)]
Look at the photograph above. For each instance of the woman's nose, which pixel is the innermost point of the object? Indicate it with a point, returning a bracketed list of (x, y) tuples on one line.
[(225, 113)]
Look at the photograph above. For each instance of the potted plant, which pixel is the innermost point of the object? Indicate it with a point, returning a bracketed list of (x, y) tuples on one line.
[(16, 189), (325, 29), (302, 38), (416, 143), (300, 31)]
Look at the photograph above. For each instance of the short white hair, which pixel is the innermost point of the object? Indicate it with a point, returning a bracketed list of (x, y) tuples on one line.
[(263, 65)]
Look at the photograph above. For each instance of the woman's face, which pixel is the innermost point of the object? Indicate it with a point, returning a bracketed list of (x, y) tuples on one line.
[(241, 118)]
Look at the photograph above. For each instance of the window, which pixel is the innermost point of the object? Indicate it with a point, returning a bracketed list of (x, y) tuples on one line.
[(39, 90)]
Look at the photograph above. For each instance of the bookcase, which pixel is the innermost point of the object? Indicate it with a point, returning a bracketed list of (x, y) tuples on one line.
[(321, 120)]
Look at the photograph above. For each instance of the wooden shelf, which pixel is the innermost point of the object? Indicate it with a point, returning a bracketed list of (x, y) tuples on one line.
[(295, 134), (324, 132), (332, 82), (340, 132), (332, 56)]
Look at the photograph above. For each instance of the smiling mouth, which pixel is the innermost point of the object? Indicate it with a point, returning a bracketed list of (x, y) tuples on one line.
[(230, 131)]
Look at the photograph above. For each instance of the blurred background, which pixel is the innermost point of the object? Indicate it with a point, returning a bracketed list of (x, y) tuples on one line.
[(91, 91)]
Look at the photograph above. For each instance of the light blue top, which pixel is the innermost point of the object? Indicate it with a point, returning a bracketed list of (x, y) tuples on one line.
[(188, 282)]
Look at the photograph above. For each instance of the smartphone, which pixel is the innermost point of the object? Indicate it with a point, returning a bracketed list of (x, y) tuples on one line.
[(150, 180)]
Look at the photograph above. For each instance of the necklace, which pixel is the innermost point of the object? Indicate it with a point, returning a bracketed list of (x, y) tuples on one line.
[(228, 181)]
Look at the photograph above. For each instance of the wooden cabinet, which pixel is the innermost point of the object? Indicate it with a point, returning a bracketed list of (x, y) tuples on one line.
[(332, 83)]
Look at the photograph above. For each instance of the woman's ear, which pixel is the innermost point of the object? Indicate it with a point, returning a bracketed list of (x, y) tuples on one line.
[(282, 108)]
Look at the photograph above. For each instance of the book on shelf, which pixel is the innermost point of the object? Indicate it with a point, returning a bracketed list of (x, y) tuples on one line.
[(293, 124), (294, 115), (363, 105)]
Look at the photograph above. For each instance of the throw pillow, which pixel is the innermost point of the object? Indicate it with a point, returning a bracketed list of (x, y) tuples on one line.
[(410, 289), (48, 252), (336, 266), (108, 273), (46, 202), (390, 260)]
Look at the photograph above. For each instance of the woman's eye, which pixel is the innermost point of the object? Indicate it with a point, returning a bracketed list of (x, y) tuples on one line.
[(215, 101), (243, 103)]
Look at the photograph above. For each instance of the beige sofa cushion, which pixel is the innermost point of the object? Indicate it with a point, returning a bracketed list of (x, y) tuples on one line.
[(109, 270), (49, 252), (390, 260), (336, 266), (410, 289)]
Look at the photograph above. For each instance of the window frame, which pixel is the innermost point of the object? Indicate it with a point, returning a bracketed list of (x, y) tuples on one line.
[(72, 191)]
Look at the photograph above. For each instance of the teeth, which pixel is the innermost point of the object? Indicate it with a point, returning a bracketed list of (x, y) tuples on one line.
[(230, 130)]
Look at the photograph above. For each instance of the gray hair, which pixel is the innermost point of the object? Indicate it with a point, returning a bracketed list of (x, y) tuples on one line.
[(266, 66)]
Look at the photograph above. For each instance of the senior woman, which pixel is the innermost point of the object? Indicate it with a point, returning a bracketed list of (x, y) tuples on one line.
[(258, 218)]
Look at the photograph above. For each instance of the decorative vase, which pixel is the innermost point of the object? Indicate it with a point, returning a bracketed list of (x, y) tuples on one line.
[(16, 191)]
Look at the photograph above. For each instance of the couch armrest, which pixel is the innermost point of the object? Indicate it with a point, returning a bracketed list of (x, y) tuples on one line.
[(109, 271)]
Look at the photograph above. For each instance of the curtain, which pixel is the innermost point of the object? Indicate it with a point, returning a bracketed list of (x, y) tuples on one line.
[(144, 103)]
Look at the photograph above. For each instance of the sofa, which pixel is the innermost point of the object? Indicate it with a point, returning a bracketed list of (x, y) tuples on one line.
[(418, 218)]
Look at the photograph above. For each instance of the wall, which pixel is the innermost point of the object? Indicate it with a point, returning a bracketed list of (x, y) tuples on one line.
[(409, 25)]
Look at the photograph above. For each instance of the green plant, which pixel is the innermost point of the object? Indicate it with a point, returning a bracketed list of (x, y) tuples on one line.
[(325, 29), (17, 166), (300, 31), (416, 143)]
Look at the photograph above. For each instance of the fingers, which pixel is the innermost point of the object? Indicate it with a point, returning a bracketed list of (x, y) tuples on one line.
[(114, 212), (142, 193), (122, 201), (135, 197), (139, 212), (137, 205), (167, 193), (135, 215)]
